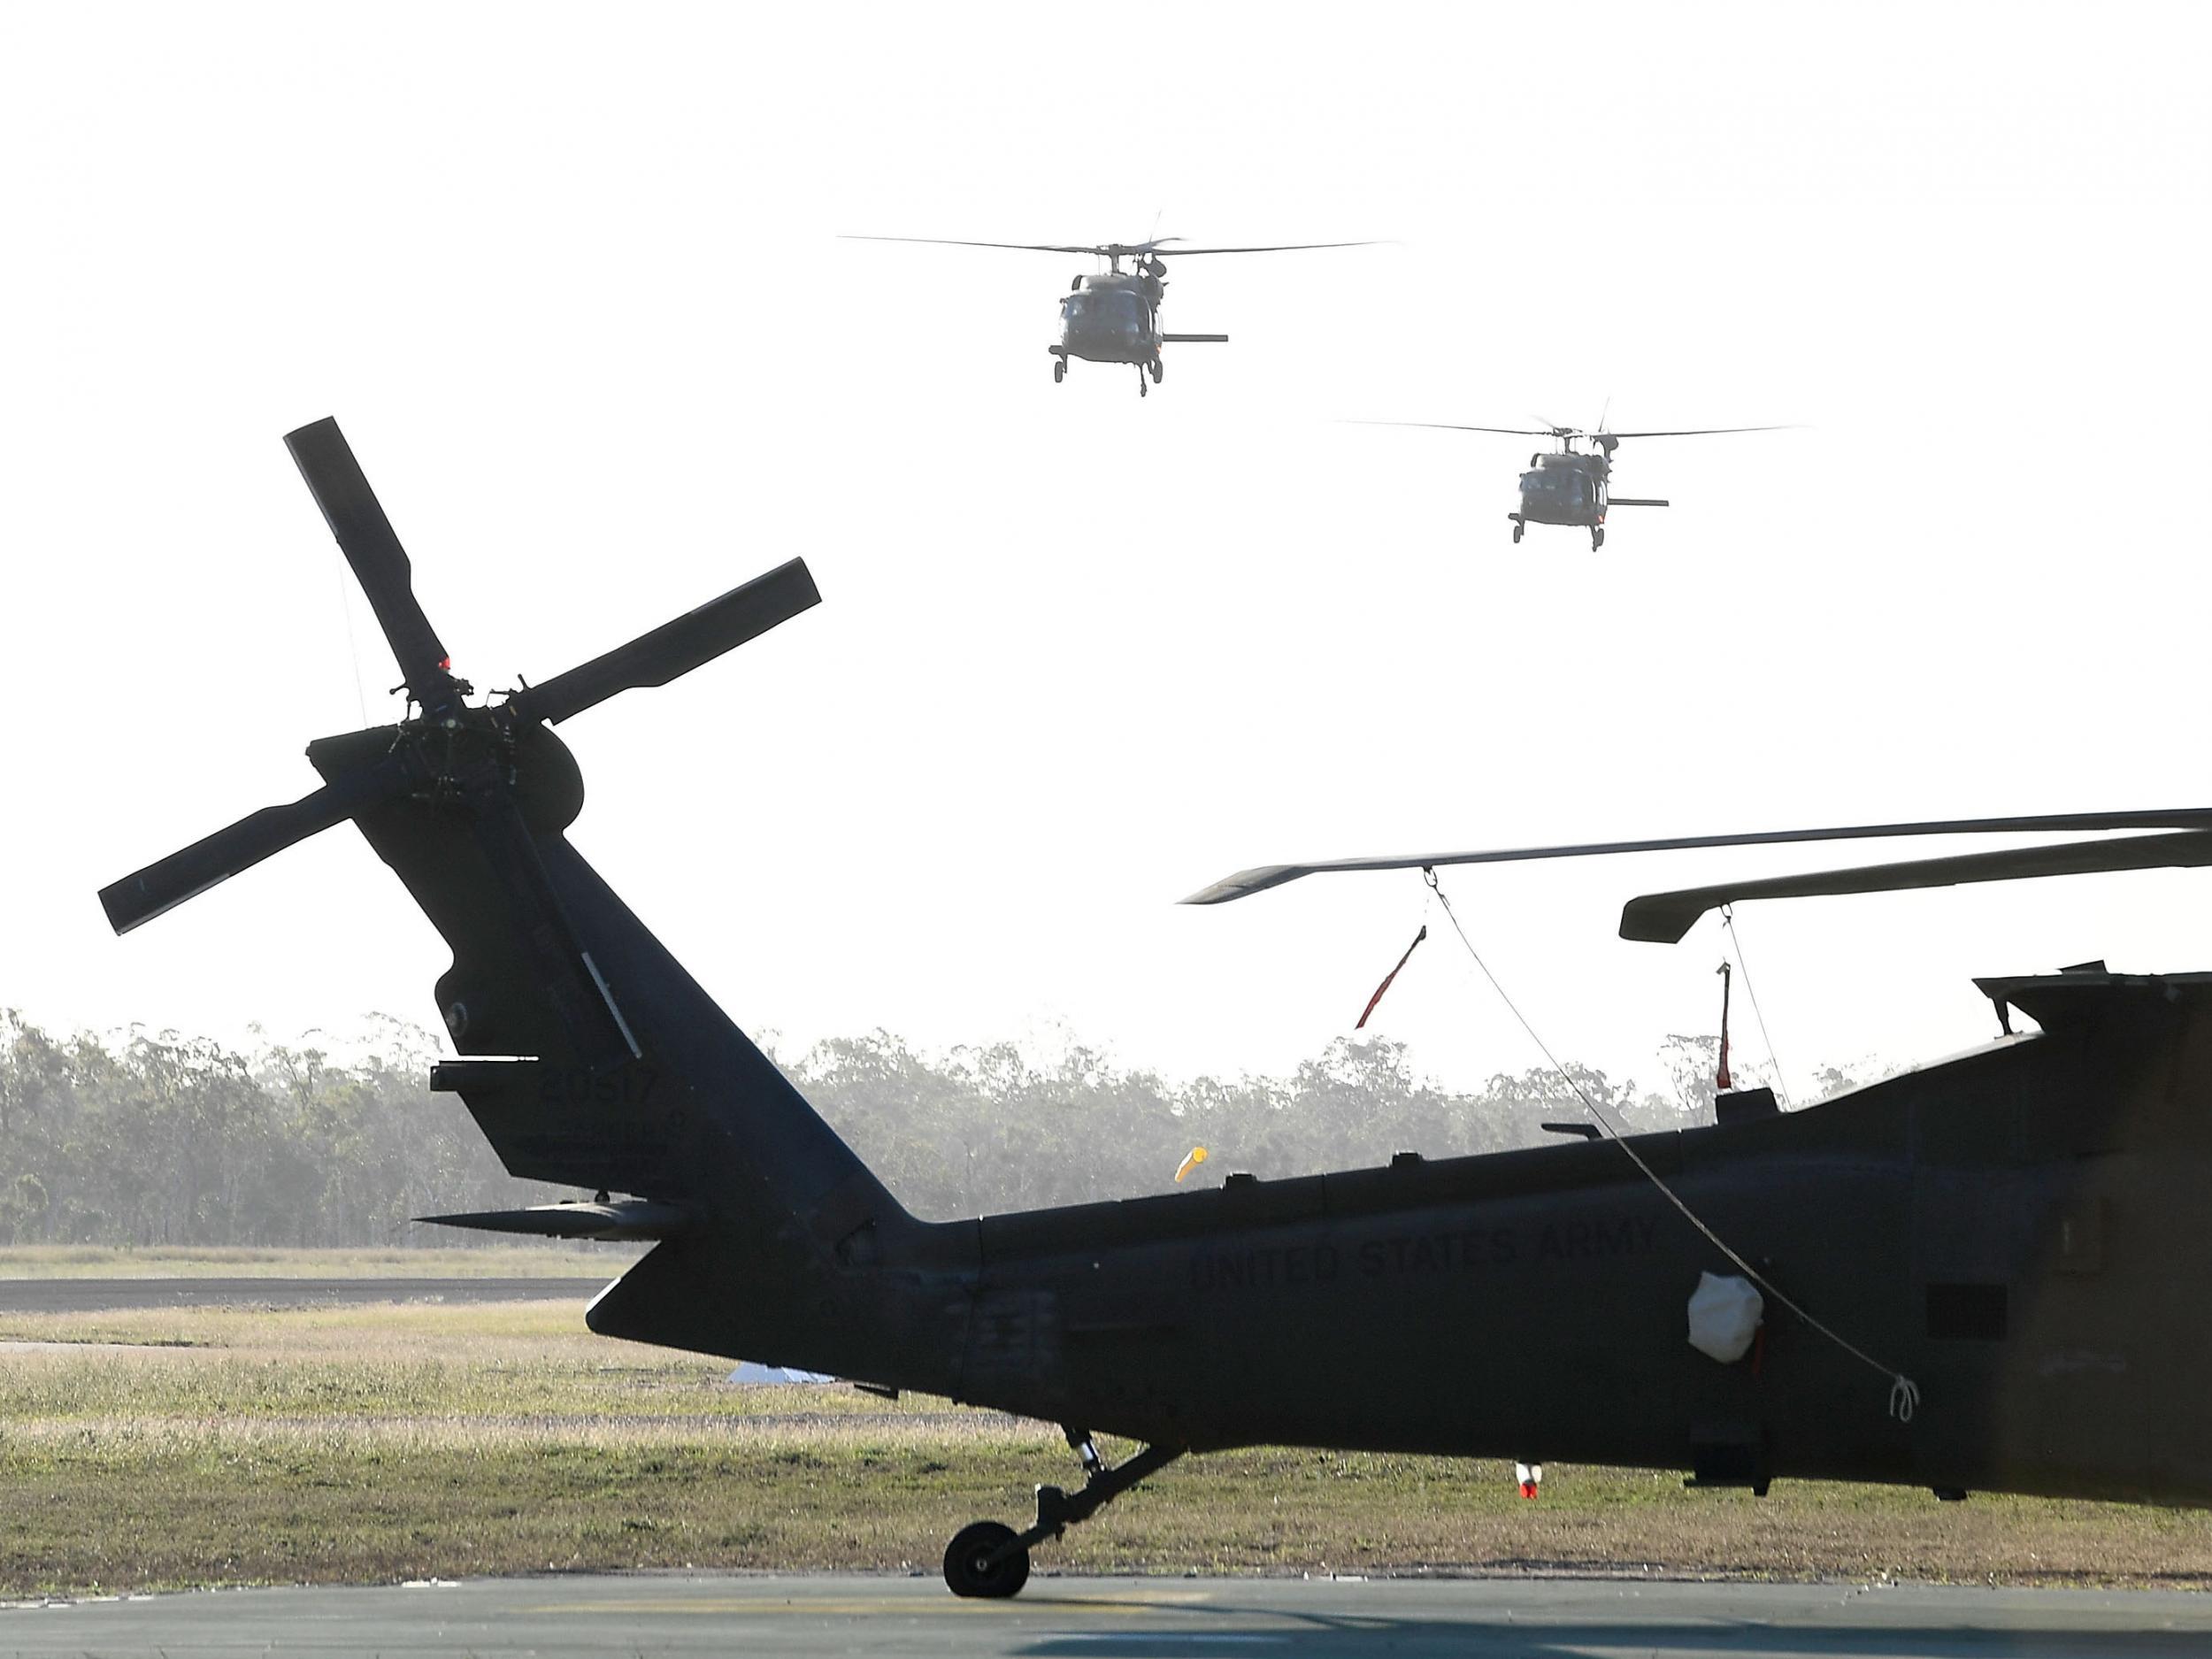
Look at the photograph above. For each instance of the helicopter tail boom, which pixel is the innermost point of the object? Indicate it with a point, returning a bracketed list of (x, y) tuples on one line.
[(1635, 500), (587, 1054), (1195, 340)]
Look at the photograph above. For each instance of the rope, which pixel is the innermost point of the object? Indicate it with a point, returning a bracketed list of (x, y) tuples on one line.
[(1728, 921), (1904, 1393)]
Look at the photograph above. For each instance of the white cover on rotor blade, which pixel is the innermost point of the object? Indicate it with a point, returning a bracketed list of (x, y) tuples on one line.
[(1725, 1314)]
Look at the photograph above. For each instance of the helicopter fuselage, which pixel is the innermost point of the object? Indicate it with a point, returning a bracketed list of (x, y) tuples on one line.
[(1567, 488), (1111, 318)]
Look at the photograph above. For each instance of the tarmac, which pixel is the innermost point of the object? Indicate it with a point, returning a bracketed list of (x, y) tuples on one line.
[(597, 1615), (80, 1295)]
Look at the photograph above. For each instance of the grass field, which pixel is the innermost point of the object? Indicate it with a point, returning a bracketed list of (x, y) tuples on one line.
[(193, 1446)]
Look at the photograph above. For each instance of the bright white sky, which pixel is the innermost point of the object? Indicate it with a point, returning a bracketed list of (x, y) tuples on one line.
[(569, 279)]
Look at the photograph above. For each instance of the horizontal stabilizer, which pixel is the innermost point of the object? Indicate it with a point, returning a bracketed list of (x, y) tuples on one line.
[(620, 1220), (1195, 340), (1664, 918)]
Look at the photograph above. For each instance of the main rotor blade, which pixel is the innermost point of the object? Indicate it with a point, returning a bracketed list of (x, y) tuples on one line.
[(1446, 426), (1280, 247), (955, 242), (675, 648), (379, 562), (1121, 250), (169, 882), (1570, 432), (1664, 918), (1258, 879), (1693, 432)]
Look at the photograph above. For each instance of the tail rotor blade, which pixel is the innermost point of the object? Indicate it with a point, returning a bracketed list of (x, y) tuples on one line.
[(370, 546), (675, 648), (169, 882)]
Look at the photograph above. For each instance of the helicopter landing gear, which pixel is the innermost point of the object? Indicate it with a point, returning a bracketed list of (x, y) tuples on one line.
[(1597, 537), (1059, 370), (988, 1560), (1159, 370), (979, 1564), (1519, 524), (1144, 387)]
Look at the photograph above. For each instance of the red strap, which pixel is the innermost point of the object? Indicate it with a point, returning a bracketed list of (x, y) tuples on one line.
[(1721, 1081), (1388, 977)]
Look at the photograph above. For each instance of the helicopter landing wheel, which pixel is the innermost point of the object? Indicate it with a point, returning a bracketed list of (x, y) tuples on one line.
[(1597, 538), (1159, 370), (1517, 527), (965, 1574), (1144, 387), (1059, 370)]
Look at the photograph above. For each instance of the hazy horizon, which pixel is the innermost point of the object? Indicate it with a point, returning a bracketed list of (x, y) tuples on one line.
[(577, 296)]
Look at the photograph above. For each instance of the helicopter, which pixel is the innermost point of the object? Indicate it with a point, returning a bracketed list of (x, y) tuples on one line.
[(1568, 485), (1113, 316), (2010, 1241)]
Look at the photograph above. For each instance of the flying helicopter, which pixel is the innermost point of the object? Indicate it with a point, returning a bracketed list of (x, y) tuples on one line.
[(2007, 1246), (1568, 485), (1113, 316)]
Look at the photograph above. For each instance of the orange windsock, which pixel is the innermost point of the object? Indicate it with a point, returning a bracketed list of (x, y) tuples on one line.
[(1197, 1156)]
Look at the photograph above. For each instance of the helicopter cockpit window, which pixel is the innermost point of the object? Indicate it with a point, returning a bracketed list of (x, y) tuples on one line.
[(1563, 486), (1118, 309)]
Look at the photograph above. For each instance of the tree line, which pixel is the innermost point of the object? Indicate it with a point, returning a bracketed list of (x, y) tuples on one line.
[(148, 1139)]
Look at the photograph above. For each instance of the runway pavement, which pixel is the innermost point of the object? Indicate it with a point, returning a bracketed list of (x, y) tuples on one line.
[(77, 1295), (591, 1617)]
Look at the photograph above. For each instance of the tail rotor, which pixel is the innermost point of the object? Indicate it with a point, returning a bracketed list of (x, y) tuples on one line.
[(496, 762)]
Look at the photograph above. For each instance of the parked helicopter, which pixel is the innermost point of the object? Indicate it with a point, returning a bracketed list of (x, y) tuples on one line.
[(1114, 316), (1567, 486), (2012, 1239)]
